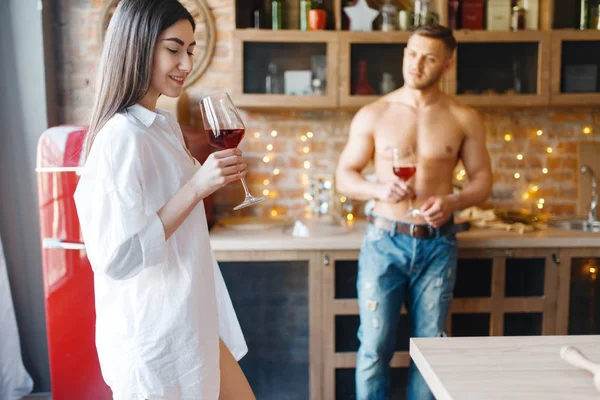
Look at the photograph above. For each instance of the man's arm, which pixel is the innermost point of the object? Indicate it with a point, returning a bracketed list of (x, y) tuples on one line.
[(356, 156), (476, 161)]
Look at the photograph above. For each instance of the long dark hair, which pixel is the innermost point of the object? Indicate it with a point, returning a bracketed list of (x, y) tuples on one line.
[(125, 68)]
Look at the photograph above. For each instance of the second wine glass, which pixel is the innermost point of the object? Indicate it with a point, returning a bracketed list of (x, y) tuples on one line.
[(405, 167), (225, 130)]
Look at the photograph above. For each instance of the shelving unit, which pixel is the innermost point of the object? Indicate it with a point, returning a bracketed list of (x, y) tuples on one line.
[(523, 68)]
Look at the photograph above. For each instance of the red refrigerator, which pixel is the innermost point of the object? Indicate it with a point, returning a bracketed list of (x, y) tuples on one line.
[(67, 274)]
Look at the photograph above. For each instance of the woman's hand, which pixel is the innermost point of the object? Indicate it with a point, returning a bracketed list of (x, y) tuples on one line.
[(219, 169)]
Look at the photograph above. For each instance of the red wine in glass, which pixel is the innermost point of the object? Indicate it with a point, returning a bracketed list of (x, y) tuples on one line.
[(225, 130), (225, 138), (405, 172), (405, 167)]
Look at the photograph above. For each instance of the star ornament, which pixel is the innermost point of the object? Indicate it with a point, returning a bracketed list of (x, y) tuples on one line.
[(361, 16)]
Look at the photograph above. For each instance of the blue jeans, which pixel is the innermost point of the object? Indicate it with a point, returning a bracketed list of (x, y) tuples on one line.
[(393, 269)]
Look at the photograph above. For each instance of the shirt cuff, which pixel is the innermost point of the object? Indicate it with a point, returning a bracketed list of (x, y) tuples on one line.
[(153, 243)]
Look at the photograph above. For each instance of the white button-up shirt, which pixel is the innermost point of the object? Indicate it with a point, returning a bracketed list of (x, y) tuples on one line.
[(160, 305)]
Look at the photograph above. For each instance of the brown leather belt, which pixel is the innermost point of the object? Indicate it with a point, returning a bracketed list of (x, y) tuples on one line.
[(419, 231)]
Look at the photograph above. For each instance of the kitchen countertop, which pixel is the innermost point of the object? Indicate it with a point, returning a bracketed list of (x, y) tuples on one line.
[(526, 367), (273, 238)]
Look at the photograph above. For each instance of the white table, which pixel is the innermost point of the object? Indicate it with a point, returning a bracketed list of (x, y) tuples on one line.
[(511, 368)]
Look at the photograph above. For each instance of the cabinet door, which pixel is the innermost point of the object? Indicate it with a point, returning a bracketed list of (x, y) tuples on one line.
[(579, 292), (276, 296), (575, 68), (501, 68)]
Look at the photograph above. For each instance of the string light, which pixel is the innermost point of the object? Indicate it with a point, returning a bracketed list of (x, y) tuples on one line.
[(306, 164), (534, 188), (526, 196), (508, 137), (517, 175), (266, 159), (276, 171), (587, 130), (303, 138), (549, 150), (350, 217), (519, 157), (256, 135), (266, 182), (309, 135), (305, 150), (269, 147), (274, 213), (273, 133), (540, 132), (544, 170), (541, 201), (266, 192), (343, 199)]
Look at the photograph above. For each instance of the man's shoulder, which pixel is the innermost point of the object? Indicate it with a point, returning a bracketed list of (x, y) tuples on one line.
[(464, 114)]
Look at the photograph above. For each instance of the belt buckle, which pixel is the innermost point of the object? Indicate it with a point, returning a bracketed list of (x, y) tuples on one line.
[(430, 230)]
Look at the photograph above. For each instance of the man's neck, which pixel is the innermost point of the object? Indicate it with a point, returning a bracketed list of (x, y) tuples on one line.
[(424, 98)]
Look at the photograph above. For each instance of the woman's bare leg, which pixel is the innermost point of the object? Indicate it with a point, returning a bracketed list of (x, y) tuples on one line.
[(234, 385)]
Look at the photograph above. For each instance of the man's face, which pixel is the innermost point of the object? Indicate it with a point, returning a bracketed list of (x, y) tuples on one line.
[(425, 61)]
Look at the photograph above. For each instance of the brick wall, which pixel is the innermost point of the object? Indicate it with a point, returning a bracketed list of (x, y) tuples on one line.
[(77, 56)]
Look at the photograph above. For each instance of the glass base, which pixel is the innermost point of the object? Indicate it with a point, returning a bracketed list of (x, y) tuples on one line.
[(249, 201)]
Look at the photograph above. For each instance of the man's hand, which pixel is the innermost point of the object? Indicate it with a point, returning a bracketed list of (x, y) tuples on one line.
[(394, 191), (437, 210)]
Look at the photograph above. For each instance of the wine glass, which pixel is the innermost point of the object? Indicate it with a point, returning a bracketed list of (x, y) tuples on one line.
[(225, 130), (405, 166)]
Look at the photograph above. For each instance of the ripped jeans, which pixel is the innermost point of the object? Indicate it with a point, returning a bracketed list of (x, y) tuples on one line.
[(393, 269)]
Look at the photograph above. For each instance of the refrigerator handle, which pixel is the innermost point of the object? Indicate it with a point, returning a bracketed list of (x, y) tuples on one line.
[(53, 243)]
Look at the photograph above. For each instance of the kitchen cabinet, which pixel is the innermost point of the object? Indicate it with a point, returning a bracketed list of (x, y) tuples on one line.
[(525, 68), (507, 284)]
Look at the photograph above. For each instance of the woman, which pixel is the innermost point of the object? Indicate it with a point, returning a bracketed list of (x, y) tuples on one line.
[(165, 326)]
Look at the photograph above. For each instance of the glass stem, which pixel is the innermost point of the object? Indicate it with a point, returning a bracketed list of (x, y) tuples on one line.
[(245, 188)]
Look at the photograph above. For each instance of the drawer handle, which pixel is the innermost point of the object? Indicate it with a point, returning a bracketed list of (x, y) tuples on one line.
[(556, 258), (52, 243)]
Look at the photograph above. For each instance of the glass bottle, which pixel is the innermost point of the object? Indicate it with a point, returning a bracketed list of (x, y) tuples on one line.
[(362, 86), (389, 17), (387, 83), (584, 21), (517, 20), (257, 15), (276, 14), (305, 6), (453, 16), (273, 80)]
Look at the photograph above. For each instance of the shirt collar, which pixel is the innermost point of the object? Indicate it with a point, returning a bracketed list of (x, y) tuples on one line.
[(144, 115)]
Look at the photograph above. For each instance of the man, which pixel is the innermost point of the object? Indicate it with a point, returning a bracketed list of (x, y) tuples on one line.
[(403, 259)]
